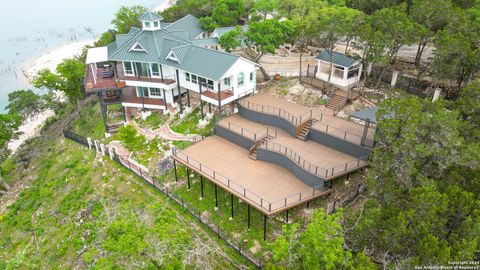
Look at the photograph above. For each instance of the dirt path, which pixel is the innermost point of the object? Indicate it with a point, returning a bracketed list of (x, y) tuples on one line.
[(164, 132)]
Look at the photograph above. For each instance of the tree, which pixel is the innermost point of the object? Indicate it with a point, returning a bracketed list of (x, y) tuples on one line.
[(468, 104), (231, 40), (25, 103), (384, 32), (127, 17), (422, 208), (332, 24), (208, 24), (130, 138), (370, 6), (227, 12), (266, 36), (320, 246), (106, 38), (69, 78), (9, 124), (455, 58), (434, 16), (265, 7)]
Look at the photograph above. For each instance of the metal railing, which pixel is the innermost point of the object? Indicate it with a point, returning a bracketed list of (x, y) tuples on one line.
[(310, 167), (275, 111), (247, 133), (342, 134), (241, 191)]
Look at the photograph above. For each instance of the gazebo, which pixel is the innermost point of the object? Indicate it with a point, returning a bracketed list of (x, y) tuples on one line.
[(345, 73)]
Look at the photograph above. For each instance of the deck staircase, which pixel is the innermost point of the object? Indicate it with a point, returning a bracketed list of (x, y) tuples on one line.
[(253, 149), (337, 102), (303, 133)]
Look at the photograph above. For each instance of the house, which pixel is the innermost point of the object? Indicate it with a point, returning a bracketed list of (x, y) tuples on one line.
[(345, 73), (219, 32), (152, 67)]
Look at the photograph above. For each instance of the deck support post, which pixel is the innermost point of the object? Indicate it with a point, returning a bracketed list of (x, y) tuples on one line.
[(216, 196), (165, 100), (125, 114), (188, 98), (308, 204), (201, 185), (264, 227), (231, 202), (286, 217), (188, 178), (219, 100), (179, 93), (209, 107), (175, 168), (248, 216), (201, 102), (348, 177)]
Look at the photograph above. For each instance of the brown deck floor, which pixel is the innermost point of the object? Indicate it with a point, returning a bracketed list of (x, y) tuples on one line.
[(279, 102), (314, 153), (214, 95), (102, 83), (262, 180)]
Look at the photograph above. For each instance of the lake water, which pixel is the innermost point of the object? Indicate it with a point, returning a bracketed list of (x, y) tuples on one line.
[(30, 28)]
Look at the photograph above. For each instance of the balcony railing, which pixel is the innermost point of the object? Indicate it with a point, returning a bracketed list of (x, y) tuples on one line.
[(170, 79), (104, 78), (224, 94), (310, 167), (242, 192), (275, 111)]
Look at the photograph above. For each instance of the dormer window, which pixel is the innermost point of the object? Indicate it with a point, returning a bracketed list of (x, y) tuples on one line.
[(147, 24), (173, 57), (155, 24), (137, 48), (151, 21)]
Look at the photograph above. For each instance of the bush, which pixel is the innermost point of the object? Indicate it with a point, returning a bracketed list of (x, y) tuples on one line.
[(130, 139)]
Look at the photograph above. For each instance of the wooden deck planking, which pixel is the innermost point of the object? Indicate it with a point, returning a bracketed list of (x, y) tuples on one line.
[(257, 177)]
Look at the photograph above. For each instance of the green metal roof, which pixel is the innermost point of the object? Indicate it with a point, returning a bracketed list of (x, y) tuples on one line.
[(219, 32), (338, 59), (187, 24), (205, 41), (150, 16), (201, 61)]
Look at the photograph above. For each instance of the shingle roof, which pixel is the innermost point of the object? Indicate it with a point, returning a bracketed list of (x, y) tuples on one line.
[(338, 59), (150, 16), (187, 24)]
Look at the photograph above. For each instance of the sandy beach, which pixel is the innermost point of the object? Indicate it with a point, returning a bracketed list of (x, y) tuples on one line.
[(51, 59)]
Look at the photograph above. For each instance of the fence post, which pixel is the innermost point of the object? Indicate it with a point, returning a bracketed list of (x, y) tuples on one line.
[(89, 141)]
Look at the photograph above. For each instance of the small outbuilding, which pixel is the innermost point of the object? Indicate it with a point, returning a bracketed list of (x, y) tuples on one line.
[(345, 73)]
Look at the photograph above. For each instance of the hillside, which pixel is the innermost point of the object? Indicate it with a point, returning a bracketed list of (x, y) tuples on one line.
[(78, 210)]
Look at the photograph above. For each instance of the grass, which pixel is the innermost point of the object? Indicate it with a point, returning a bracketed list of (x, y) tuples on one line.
[(189, 124), (90, 124), (236, 228), (80, 212), (153, 121)]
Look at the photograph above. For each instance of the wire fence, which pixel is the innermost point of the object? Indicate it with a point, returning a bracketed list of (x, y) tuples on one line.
[(227, 237)]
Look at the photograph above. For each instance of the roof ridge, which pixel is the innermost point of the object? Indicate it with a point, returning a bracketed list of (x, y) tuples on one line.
[(175, 22)]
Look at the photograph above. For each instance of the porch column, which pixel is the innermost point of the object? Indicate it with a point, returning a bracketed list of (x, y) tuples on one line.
[(124, 111), (365, 132), (209, 107), (345, 73), (143, 99), (219, 100), (188, 98), (201, 102), (165, 99), (94, 74), (179, 93), (161, 71)]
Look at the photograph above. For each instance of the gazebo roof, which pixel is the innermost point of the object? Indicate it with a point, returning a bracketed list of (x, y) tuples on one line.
[(366, 115), (338, 59)]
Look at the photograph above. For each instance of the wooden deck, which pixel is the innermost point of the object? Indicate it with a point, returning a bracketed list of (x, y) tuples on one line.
[(250, 180), (101, 83), (214, 95)]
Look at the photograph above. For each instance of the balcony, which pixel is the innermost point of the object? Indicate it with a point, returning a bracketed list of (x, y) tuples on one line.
[(102, 79), (167, 80), (212, 96), (130, 99)]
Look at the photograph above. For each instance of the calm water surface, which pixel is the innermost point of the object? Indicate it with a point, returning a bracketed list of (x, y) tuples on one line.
[(30, 28)]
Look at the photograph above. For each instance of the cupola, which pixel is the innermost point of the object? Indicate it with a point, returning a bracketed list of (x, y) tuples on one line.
[(150, 21)]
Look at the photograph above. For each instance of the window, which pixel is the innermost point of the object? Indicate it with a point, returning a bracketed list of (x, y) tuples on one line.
[(147, 24), (226, 81), (210, 84), (173, 57), (156, 92), (240, 79), (155, 24), (128, 68), (142, 91), (187, 76), (194, 79), (155, 70), (137, 48), (252, 76)]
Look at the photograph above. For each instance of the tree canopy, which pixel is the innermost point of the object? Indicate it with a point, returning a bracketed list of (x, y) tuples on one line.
[(127, 17)]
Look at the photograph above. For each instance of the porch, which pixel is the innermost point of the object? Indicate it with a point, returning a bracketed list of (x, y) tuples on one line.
[(130, 99), (167, 80)]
